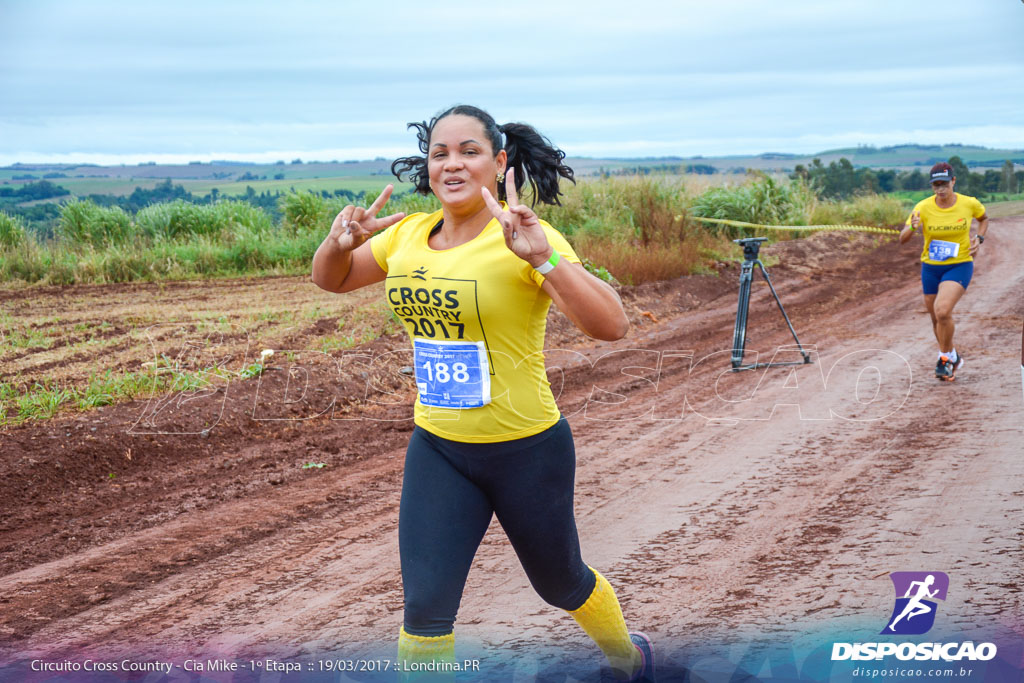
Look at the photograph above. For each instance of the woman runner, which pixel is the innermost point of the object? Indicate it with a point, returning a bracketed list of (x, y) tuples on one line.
[(473, 283), (947, 260)]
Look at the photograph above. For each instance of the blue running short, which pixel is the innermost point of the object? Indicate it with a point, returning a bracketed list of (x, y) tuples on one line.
[(932, 275)]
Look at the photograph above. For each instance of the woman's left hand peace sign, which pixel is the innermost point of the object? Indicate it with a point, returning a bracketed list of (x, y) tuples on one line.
[(520, 225)]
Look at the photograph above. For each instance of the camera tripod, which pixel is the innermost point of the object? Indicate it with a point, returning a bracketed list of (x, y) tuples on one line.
[(751, 246)]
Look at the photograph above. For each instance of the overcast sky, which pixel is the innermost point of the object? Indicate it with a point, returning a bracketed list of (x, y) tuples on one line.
[(104, 81)]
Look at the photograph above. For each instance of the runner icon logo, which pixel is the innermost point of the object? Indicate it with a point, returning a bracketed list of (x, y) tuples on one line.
[(914, 614), (916, 595)]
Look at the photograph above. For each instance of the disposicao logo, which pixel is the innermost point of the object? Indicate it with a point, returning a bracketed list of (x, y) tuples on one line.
[(915, 608), (913, 614)]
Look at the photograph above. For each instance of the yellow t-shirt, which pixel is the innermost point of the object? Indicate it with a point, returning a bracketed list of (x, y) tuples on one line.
[(476, 315), (949, 228)]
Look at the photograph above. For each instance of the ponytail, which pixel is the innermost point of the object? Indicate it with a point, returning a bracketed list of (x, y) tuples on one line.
[(415, 166), (536, 160), (532, 155)]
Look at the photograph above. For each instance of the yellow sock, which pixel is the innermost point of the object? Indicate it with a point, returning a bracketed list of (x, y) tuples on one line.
[(601, 619), (416, 651)]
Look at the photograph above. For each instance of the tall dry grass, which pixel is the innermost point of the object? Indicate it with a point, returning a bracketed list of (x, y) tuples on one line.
[(638, 227)]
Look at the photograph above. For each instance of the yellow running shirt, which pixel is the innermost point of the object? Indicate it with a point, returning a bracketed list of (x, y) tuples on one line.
[(950, 229), (476, 315)]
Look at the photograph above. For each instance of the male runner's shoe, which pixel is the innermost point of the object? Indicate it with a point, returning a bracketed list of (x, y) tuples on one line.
[(646, 672), (944, 368)]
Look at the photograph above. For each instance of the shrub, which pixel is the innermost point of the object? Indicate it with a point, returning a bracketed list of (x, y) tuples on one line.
[(407, 202), (763, 201), (83, 222), (182, 220), (303, 211), (12, 231)]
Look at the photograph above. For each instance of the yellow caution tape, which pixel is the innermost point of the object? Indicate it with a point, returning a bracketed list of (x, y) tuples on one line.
[(796, 228)]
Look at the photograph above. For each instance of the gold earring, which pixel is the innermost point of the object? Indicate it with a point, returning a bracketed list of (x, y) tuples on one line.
[(501, 177)]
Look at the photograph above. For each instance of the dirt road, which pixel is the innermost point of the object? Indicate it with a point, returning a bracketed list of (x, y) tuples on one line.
[(728, 509)]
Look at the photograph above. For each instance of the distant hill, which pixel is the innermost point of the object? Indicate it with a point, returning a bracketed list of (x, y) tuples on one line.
[(904, 157), (924, 155)]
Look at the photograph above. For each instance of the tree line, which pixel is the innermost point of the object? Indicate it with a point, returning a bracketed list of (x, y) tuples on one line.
[(841, 180), (677, 169), (44, 189)]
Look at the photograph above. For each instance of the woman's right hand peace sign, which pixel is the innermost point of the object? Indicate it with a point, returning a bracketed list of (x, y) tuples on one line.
[(524, 235), (354, 225)]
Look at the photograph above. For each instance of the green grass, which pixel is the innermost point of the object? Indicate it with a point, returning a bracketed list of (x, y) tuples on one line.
[(331, 343), (872, 210), (175, 240), (12, 231), (999, 197), (911, 197), (83, 222), (272, 316), (313, 214), (83, 187), (43, 400), (252, 370), (27, 338), (228, 221), (763, 201)]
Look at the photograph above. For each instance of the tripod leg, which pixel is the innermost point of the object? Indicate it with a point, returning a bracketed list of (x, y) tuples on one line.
[(739, 336), (767, 279)]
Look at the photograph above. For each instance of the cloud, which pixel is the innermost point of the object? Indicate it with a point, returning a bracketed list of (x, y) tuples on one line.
[(238, 79)]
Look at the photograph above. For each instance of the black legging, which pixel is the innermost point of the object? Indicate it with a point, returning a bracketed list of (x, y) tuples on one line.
[(450, 490)]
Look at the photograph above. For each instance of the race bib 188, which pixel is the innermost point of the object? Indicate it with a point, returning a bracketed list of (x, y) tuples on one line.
[(452, 374), (939, 250)]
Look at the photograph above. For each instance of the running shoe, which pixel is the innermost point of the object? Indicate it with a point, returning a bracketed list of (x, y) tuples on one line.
[(956, 366), (646, 672), (944, 369)]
